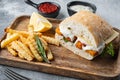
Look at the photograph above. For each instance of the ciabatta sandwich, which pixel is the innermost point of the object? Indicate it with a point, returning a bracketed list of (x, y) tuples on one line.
[(85, 34)]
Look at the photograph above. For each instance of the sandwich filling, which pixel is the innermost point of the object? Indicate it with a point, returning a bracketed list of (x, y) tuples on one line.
[(86, 34), (80, 42)]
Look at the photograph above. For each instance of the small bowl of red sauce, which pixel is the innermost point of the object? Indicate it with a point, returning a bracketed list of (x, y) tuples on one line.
[(47, 9)]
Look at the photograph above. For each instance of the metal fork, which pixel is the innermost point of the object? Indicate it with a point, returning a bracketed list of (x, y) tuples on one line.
[(11, 75)]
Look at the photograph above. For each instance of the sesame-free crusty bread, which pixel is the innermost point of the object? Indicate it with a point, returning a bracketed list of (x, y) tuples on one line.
[(98, 27), (90, 27)]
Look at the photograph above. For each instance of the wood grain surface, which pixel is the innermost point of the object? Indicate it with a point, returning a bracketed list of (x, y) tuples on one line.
[(65, 62)]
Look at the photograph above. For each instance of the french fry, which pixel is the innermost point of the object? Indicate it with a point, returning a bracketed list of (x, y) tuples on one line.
[(23, 44), (38, 33), (5, 42), (49, 55), (25, 48), (12, 51), (33, 47), (44, 43), (8, 35), (9, 48), (51, 40), (23, 33), (20, 56), (15, 46), (21, 51), (30, 29), (23, 40)]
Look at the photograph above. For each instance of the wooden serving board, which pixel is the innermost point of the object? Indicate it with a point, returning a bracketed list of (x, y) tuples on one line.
[(65, 62)]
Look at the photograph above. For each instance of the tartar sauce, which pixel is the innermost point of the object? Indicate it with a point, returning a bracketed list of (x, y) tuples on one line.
[(99, 48), (78, 8)]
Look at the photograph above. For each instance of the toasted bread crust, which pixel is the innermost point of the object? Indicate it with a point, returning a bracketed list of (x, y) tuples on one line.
[(98, 27)]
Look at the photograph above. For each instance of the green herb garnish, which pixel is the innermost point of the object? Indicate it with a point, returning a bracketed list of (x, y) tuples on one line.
[(65, 39), (109, 50), (41, 49)]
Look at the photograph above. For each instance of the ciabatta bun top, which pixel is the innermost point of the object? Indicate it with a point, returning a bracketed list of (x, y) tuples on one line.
[(94, 28)]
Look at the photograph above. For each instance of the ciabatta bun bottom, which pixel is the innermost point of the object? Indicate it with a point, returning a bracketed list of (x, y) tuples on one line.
[(71, 47)]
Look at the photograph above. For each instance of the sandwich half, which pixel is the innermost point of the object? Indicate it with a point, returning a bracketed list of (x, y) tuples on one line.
[(85, 34)]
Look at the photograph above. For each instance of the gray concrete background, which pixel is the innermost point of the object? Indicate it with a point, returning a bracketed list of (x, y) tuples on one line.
[(10, 9)]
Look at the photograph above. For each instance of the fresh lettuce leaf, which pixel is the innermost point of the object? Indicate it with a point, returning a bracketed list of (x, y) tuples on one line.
[(109, 49)]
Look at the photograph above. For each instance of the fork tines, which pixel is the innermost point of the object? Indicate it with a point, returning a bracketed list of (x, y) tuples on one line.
[(13, 75)]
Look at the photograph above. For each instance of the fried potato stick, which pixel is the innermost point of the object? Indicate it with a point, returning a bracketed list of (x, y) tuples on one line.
[(44, 43), (20, 51), (33, 47), (24, 33), (49, 55), (51, 40), (12, 51), (8, 35), (21, 56), (8, 40), (15, 46), (30, 29), (23, 40), (25, 48), (9, 48)]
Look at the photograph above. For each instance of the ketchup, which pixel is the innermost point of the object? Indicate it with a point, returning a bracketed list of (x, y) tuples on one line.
[(47, 7)]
